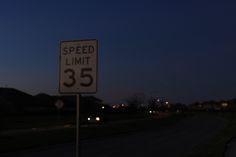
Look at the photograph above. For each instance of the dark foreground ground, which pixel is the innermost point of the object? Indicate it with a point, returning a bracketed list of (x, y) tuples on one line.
[(177, 140)]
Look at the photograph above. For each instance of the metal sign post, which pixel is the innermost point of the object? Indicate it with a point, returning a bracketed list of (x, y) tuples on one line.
[(78, 72), (77, 149)]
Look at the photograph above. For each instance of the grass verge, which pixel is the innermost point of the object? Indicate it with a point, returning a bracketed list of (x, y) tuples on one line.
[(30, 140)]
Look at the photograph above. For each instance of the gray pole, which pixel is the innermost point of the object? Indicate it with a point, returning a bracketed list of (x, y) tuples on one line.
[(77, 125)]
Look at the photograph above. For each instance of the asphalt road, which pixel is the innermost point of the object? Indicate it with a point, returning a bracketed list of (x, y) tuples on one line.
[(231, 148), (177, 140)]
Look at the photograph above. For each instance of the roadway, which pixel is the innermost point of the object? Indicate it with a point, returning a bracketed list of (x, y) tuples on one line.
[(231, 148), (177, 140)]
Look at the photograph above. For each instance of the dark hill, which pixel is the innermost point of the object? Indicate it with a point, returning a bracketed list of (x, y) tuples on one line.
[(15, 101), (45, 100)]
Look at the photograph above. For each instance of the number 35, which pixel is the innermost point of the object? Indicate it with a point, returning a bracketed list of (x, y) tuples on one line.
[(84, 75)]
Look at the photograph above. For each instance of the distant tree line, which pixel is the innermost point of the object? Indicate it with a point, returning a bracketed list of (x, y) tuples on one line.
[(214, 106), (138, 102)]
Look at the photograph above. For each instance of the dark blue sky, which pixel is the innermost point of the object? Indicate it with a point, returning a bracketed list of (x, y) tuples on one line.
[(183, 51)]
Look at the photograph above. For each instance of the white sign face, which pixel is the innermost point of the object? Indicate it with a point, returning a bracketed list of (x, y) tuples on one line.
[(78, 66)]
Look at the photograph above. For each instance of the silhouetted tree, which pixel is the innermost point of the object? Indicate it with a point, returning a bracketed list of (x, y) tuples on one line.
[(153, 103), (135, 101)]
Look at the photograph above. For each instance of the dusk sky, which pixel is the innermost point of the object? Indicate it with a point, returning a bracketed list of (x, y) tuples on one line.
[(183, 51)]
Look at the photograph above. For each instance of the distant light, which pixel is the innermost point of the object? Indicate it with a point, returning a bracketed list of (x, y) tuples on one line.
[(67, 126), (103, 107), (97, 118), (224, 104), (167, 102), (122, 105), (158, 100), (114, 106), (150, 112), (89, 118)]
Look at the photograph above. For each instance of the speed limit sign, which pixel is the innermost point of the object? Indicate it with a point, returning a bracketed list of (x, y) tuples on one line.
[(78, 66)]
